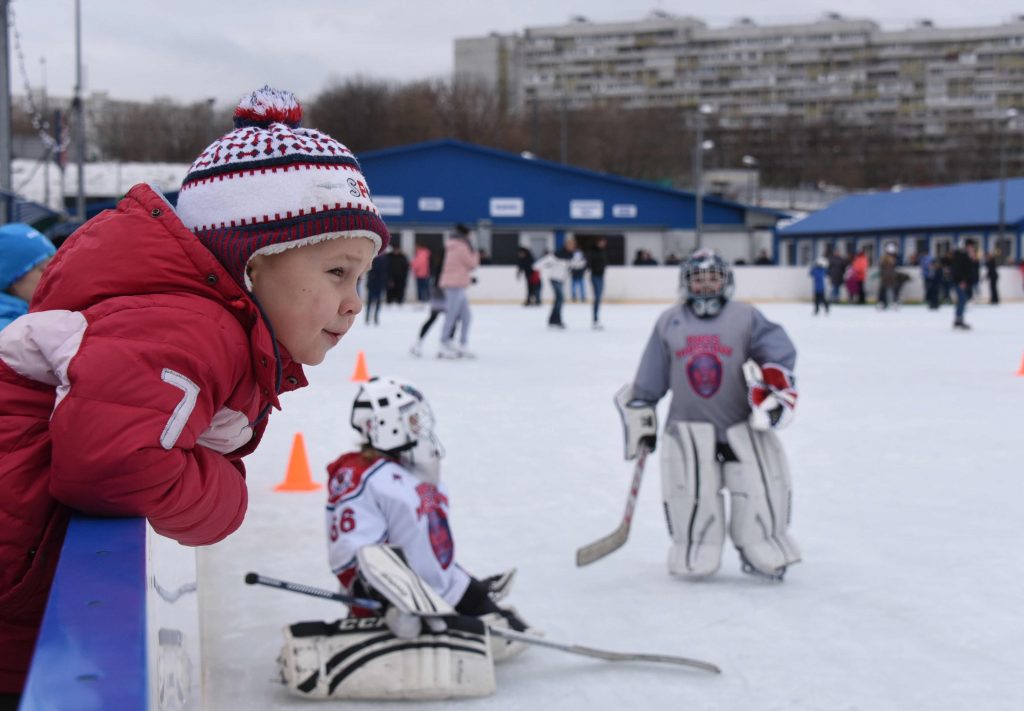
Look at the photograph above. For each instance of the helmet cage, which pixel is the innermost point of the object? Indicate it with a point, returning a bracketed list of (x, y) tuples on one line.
[(705, 283)]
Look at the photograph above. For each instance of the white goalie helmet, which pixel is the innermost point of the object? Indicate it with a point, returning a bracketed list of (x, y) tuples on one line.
[(394, 417), (705, 283)]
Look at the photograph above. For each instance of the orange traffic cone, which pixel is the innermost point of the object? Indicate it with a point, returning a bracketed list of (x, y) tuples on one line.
[(298, 476), (361, 374)]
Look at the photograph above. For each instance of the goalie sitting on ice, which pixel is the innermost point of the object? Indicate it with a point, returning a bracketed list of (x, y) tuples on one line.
[(721, 422), (390, 492)]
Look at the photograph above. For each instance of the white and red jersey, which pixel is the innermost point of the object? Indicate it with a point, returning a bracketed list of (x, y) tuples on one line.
[(380, 501)]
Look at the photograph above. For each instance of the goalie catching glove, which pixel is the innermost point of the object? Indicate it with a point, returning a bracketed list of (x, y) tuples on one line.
[(639, 421), (772, 396)]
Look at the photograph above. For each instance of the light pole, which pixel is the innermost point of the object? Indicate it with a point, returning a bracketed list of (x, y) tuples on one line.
[(6, 208), (79, 112), (698, 165), (1008, 118), (750, 162)]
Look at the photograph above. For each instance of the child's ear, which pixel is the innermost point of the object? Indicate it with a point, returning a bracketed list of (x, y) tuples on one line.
[(253, 267)]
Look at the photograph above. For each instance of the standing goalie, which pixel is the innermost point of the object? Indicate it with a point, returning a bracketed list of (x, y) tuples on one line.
[(721, 422)]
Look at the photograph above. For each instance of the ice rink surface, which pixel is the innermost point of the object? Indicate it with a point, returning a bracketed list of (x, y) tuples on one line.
[(906, 454)]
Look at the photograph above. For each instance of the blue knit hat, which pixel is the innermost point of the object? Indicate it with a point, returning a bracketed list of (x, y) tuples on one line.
[(22, 248)]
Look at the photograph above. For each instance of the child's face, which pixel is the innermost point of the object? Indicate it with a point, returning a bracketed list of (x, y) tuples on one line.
[(26, 286), (309, 293)]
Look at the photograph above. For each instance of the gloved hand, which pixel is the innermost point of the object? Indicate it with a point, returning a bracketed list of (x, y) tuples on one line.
[(639, 422), (772, 399)]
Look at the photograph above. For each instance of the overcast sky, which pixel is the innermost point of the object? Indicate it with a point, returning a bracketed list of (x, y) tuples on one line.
[(195, 49)]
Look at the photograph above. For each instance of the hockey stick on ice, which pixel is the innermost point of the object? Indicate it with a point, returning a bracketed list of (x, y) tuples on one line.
[(502, 632), (617, 538), (256, 579), (605, 654)]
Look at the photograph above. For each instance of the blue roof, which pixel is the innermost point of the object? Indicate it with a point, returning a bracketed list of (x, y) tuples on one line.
[(946, 207), (447, 181)]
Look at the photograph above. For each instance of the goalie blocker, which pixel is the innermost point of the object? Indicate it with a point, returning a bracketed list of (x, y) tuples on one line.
[(759, 486)]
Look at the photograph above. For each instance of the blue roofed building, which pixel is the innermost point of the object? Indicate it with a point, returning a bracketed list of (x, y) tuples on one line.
[(512, 200), (919, 220)]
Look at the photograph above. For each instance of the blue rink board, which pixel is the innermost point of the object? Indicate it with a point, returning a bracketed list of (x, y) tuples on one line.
[(91, 652)]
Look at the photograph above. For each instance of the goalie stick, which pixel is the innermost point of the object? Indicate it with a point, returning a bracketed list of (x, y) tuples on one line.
[(604, 654), (617, 538)]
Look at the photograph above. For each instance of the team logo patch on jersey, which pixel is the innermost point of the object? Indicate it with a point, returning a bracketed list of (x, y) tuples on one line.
[(704, 371), (341, 483), (432, 505)]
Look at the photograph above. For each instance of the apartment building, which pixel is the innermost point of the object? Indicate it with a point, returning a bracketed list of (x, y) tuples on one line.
[(923, 81)]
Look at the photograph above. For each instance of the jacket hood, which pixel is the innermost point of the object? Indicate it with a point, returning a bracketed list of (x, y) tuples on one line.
[(139, 248)]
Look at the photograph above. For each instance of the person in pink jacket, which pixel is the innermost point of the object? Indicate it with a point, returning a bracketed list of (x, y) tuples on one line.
[(460, 259), (159, 340), (421, 272)]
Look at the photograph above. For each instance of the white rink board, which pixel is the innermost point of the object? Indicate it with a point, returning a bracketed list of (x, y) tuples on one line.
[(908, 501)]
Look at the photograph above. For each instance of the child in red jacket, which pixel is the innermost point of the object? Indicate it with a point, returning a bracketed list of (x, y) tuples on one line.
[(159, 339)]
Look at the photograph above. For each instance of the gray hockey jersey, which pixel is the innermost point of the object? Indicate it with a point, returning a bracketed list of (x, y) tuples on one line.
[(701, 361)]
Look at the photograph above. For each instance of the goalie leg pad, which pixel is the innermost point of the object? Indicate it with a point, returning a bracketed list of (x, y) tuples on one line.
[(760, 491), (359, 658), (691, 483)]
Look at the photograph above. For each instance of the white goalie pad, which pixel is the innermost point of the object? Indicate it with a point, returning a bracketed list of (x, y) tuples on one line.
[(761, 495), (639, 421), (384, 570), (691, 483), (359, 658)]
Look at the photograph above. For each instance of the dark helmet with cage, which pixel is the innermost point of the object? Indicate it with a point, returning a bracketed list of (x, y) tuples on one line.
[(705, 283)]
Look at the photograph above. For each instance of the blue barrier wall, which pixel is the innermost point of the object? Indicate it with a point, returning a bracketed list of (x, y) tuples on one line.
[(91, 654)]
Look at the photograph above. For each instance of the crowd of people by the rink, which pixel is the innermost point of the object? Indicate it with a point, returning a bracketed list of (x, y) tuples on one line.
[(954, 277)]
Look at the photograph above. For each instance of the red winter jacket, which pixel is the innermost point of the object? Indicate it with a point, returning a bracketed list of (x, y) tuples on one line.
[(134, 386)]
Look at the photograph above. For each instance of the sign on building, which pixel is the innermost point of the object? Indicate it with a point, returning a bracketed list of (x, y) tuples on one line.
[(624, 210), (506, 207), (431, 204), (390, 205), (586, 209)]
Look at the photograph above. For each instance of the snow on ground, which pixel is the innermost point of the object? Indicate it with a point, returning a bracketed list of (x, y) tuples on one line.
[(908, 504)]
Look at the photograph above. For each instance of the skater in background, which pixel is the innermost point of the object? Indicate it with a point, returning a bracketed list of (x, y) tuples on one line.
[(524, 268), (837, 265), (398, 275), (555, 267), (577, 270), (721, 422), (437, 304), (597, 262), (159, 341), (390, 489), (24, 254), (819, 271), (887, 277), (857, 282), (421, 262), (962, 275), (376, 284), (460, 259), (992, 274)]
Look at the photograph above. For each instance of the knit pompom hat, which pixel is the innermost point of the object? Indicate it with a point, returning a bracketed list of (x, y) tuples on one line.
[(270, 185)]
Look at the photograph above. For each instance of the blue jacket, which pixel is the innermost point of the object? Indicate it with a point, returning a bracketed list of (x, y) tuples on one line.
[(11, 307), (818, 273)]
